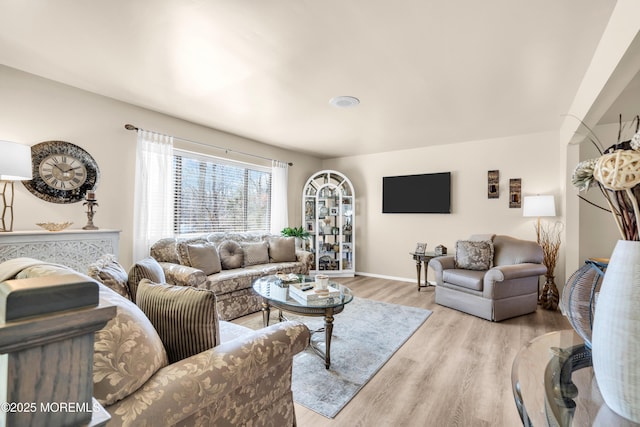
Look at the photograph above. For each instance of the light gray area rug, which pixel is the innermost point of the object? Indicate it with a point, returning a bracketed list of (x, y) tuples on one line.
[(365, 335)]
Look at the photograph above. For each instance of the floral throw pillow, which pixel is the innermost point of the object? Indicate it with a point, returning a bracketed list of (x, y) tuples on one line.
[(474, 255)]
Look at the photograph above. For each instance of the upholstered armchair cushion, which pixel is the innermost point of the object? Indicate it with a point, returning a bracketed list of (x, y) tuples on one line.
[(185, 318), (147, 268), (282, 249), (110, 273), (127, 351)]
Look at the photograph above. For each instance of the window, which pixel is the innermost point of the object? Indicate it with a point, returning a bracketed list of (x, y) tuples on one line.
[(213, 194)]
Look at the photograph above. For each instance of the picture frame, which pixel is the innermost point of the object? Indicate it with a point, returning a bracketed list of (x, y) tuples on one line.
[(493, 184), (309, 209), (515, 195), (333, 211), (421, 248), (310, 228)]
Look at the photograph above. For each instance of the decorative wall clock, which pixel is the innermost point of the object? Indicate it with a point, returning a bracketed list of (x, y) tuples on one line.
[(62, 172)]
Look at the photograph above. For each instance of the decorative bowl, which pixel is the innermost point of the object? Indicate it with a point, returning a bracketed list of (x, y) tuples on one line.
[(54, 226)]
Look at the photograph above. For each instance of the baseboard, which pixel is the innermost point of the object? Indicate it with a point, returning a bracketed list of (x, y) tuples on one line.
[(381, 276)]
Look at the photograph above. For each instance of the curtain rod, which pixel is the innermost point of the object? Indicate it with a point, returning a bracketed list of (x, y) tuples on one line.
[(226, 150)]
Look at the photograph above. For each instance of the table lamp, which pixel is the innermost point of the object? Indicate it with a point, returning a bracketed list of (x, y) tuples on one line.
[(539, 206), (15, 165)]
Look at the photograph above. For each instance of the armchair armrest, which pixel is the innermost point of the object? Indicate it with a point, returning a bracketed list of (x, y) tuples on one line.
[(441, 263), (233, 377), (515, 271), (177, 274), (305, 257)]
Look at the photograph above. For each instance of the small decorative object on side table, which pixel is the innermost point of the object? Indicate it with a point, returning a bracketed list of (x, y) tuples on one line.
[(90, 203), (440, 250)]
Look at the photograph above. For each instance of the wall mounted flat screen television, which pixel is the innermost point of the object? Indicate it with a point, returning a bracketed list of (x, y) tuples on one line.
[(425, 193)]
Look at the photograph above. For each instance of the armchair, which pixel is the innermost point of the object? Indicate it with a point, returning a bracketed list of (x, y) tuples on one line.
[(505, 286)]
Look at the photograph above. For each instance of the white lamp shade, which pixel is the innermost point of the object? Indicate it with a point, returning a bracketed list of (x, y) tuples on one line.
[(539, 206), (15, 161)]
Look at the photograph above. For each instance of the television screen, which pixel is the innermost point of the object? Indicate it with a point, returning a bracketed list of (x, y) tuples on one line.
[(426, 193)]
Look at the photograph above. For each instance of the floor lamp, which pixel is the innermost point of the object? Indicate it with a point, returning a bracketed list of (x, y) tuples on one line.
[(549, 239), (15, 165)]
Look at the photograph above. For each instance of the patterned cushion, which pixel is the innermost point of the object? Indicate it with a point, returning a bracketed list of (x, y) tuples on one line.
[(474, 255), (185, 318), (109, 272), (147, 268), (231, 254), (202, 256), (282, 249), (255, 253), (127, 351)]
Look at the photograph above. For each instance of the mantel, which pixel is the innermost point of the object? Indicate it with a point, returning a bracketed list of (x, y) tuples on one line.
[(73, 248)]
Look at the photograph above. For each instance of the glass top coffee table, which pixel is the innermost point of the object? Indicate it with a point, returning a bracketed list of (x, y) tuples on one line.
[(275, 293), (554, 385)]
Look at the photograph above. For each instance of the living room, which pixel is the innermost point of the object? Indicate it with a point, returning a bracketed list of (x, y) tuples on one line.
[(37, 109)]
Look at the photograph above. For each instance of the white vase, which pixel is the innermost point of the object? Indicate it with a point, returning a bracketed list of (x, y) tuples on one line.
[(616, 332)]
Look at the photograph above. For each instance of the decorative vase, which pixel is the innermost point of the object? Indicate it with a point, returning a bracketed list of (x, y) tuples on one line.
[(616, 332), (549, 296)]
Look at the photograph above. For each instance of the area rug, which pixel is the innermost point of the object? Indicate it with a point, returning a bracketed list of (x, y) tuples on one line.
[(365, 336)]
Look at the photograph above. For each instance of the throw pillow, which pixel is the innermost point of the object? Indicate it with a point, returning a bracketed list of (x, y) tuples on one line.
[(202, 256), (184, 317), (127, 351), (256, 253), (474, 255), (231, 255), (109, 272), (147, 268), (282, 249)]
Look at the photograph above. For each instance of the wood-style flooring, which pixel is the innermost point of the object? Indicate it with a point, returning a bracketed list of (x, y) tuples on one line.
[(454, 371)]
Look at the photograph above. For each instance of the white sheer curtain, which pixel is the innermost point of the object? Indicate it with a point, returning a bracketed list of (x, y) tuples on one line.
[(153, 194), (279, 207)]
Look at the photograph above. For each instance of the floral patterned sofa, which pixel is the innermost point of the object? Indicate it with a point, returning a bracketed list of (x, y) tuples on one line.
[(228, 263), (240, 377)]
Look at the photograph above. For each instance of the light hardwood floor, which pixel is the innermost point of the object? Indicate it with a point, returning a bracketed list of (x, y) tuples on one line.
[(454, 371)]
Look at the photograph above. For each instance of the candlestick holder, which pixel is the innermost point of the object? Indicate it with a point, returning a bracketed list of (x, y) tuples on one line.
[(90, 204)]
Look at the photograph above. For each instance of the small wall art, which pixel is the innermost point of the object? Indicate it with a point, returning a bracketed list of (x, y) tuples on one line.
[(515, 198), (493, 184)]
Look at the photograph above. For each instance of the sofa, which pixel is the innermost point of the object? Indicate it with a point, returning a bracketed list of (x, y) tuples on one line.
[(490, 276), (228, 263), (170, 361)]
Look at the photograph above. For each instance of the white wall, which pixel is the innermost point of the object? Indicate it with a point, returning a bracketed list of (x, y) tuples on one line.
[(385, 240), (34, 110)]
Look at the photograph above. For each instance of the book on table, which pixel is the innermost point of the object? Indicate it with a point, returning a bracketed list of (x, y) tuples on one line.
[(306, 292)]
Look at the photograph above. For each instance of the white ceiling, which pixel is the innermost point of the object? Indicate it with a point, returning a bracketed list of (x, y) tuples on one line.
[(426, 71)]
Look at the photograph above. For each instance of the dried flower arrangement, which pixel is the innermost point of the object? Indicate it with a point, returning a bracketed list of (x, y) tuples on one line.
[(616, 173)]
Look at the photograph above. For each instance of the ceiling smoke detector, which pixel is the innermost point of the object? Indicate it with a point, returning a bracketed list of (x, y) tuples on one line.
[(344, 101)]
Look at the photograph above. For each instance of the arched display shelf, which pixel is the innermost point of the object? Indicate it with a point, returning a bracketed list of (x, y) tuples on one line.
[(328, 213)]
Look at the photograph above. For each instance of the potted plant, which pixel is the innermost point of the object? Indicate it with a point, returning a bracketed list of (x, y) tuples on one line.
[(298, 232)]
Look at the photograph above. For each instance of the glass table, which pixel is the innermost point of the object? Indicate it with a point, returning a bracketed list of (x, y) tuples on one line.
[(275, 293), (553, 384)]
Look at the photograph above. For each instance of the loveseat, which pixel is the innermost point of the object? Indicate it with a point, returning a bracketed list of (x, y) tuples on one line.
[(239, 377), (228, 263), (490, 276)]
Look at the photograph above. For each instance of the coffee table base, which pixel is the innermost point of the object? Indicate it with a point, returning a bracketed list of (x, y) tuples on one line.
[(328, 326)]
